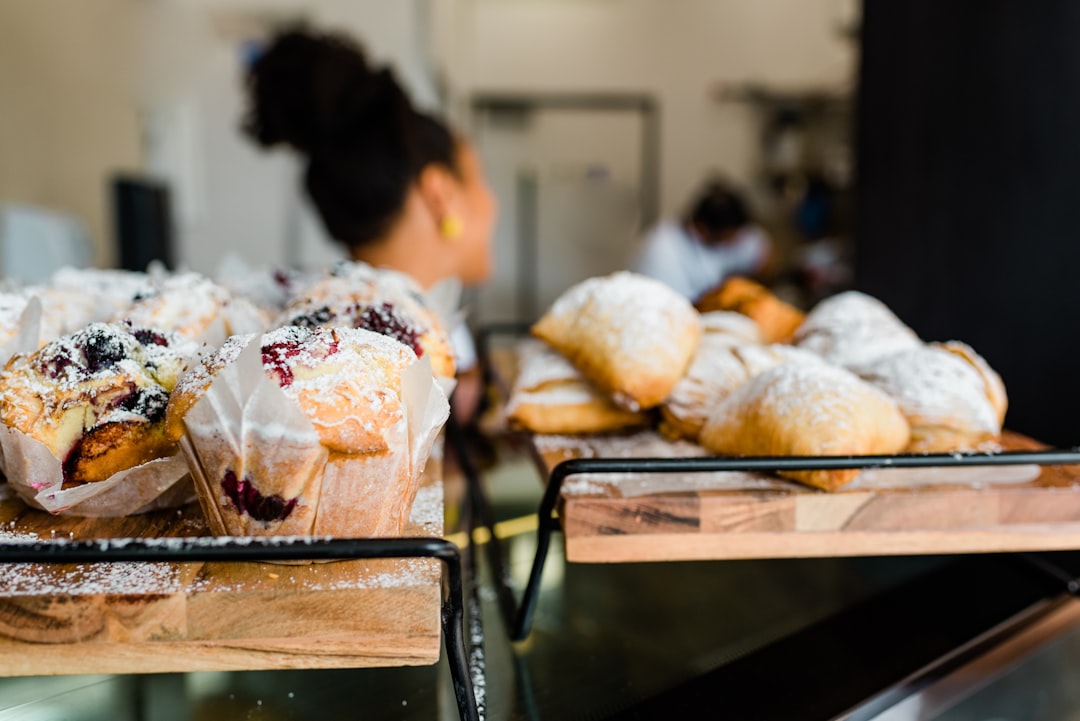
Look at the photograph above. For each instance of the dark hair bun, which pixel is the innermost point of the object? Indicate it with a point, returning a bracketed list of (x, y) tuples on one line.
[(365, 143), (312, 91), (719, 208)]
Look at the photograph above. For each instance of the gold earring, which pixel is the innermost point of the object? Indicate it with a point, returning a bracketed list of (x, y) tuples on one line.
[(451, 227)]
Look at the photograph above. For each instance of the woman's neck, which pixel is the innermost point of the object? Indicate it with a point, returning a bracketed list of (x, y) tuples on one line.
[(412, 245)]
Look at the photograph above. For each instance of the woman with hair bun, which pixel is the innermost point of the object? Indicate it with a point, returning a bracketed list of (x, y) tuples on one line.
[(391, 183)]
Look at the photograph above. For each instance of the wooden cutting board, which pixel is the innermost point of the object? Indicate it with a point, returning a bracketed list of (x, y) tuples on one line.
[(175, 617), (659, 517), (669, 517)]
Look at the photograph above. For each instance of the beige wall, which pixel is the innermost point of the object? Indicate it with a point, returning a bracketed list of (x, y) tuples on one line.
[(66, 120), (681, 51)]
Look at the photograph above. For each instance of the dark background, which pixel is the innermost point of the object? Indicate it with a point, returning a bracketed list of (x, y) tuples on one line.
[(968, 146)]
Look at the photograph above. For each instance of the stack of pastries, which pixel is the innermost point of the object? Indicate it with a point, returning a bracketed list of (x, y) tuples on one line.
[(313, 413), (745, 374)]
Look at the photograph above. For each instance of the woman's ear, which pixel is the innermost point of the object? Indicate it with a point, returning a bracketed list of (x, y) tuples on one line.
[(439, 190)]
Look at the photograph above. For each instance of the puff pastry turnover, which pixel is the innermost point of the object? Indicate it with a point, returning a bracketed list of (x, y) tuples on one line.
[(949, 394), (720, 366), (631, 336), (807, 409), (551, 396), (852, 329), (776, 319)]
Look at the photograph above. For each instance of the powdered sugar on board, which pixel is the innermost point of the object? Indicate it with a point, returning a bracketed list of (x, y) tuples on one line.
[(646, 444), (158, 578), (968, 476), (36, 579), (540, 365)]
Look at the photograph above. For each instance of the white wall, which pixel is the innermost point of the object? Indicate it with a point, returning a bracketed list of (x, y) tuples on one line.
[(233, 196), (67, 121)]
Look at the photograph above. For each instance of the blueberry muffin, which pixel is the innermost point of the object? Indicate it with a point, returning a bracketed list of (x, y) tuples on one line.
[(97, 398), (330, 448), (383, 303)]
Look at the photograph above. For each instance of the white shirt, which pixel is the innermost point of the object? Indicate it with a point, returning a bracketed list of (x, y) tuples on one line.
[(464, 349), (673, 255)]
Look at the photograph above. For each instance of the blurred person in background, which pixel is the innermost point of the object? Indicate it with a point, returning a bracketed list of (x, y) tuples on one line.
[(393, 184), (714, 240)]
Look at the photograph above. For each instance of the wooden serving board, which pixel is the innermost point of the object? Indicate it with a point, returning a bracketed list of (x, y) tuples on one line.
[(175, 617), (660, 517)]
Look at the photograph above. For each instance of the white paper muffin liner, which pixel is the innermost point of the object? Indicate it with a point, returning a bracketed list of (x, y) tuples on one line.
[(37, 476), (246, 425)]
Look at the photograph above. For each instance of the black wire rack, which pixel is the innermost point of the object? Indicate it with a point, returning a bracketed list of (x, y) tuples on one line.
[(206, 549), (518, 615)]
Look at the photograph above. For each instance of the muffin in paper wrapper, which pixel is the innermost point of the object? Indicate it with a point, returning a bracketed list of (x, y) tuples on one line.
[(37, 476), (260, 469), (25, 339), (442, 301)]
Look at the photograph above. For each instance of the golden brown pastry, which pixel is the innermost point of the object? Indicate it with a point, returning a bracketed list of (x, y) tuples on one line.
[(715, 372), (807, 409), (995, 387), (380, 301), (193, 306), (952, 399), (97, 398), (13, 313), (348, 383), (776, 319), (551, 396), (76, 297), (852, 329), (631, 336)]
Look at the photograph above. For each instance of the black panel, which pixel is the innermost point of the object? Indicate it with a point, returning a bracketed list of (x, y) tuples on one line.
[(142, 221), (969, 188)]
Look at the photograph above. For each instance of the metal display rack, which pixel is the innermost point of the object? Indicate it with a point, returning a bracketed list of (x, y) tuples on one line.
[(521, 621), (206, 549), (518, 615)]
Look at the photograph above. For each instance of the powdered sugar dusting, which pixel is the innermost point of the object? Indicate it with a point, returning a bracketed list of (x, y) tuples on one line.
[(816, 394), (540, 365), (735, 326), (334, 355), (315, 363), (643, 444), (646, 444), (715, 372), (935, 387), (186, 303), (427, 510), (114, 371), (35, 579), (627, 317), (852, 329)]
